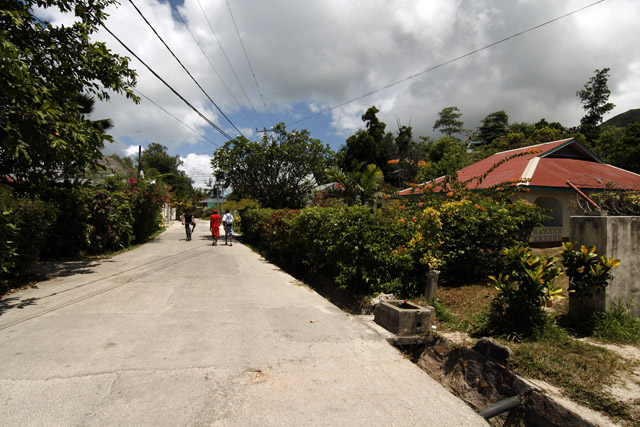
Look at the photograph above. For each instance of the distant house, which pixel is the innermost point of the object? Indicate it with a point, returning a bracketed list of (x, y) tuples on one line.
[(207, 203), (545, 169)]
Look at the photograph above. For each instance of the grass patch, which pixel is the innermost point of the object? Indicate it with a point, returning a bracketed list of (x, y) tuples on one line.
[(616, 326), (581, 370)]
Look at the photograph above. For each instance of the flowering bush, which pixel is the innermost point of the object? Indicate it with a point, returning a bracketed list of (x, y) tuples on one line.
[(110, 222), (476, 229), (360, 250)]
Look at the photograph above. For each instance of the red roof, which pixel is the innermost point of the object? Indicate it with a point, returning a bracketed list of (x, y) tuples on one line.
[(548, 165)]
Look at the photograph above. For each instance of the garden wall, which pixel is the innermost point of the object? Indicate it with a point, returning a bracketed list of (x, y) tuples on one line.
[(616, 237)]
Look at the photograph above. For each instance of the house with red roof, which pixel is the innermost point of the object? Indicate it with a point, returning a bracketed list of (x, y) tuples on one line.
[(545, 169)]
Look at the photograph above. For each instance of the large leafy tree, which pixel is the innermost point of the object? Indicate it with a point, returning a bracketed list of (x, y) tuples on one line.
[(449, 121), (159, 165), (279, 171), (594, 97), (493, 126), (45, 131), (368, 146)]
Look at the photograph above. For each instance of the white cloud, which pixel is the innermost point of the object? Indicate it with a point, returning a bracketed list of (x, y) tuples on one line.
[(198, 168), (321, 53)]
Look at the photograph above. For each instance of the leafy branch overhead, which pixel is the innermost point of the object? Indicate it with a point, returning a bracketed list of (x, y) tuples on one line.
[(45, 131)]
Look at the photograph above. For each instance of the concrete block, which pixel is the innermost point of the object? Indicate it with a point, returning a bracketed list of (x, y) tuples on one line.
[(403, 319)]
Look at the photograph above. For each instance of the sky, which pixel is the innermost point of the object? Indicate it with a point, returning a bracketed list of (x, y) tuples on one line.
[(320, 64)]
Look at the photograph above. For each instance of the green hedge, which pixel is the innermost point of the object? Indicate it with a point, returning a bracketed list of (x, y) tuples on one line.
[(69, 221), (23, 225), (392, 249)]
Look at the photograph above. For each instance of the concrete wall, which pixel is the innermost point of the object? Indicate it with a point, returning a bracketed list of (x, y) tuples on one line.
[(616, 237)]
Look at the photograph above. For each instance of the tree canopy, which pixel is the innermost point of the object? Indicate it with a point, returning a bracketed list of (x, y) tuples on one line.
[(448, 121), (493, 126), (279, 171), (159, 165), (45, 132), (595, 101)]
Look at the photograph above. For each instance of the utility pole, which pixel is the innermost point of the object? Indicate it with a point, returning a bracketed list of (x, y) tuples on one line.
[(139, 160)]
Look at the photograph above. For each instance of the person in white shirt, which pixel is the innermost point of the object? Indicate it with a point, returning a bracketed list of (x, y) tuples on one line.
[(227, 222)]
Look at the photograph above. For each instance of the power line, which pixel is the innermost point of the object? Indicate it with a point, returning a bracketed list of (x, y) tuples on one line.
[(182, 65), (249, 62), (216, 127), (211, 64), (183, 123), (445, 63), (229, 63)]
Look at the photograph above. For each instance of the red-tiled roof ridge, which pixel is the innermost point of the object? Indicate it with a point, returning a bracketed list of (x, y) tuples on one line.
[(536, 166)]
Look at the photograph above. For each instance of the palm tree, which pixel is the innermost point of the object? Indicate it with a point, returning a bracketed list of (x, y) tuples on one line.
[(360, 186)]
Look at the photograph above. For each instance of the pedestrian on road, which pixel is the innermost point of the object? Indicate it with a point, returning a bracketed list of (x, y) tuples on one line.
[(187, 219), (214, 226), (227, 221)]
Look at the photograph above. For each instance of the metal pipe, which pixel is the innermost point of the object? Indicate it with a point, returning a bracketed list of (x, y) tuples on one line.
[(583, 195), (499, 407)]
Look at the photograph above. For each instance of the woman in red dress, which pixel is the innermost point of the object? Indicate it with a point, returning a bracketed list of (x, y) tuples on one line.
[(214, 226)]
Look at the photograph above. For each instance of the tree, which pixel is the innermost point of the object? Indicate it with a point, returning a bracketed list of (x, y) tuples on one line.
[(45, 133), (359, 186), (366, 146), (493, 126), (159, 165), (279, 171), (594, 98), (448, 122), (621, 146)]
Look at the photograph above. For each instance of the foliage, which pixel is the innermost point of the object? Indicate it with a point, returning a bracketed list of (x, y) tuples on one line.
[(146, 199), (45, 69), (362, 251), (588, 273), (20, 217), (69, 233), (618, 202), (444, 156), (279, 171), (475, 231), (448, 122), (493, 126), (110, 222), (158, 165), (616, 325), (357, 187), (594, 97), (525, 287), (622, 149)]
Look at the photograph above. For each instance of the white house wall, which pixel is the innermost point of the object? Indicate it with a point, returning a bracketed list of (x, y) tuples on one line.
[(563, 196)]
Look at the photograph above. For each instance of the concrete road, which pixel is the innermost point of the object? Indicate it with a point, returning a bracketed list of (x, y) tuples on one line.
[(178, 333)]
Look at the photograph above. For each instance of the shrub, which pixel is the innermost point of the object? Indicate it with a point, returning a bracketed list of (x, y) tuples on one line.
[(69, 233), (145, 200), (110, 222), (360, 250), (23, 225), (588, 274), (618, 202), (476, 229), (525, 288)]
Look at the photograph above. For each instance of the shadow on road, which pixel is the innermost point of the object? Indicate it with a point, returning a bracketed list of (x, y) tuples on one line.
[(7, 304), (54, 269)]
